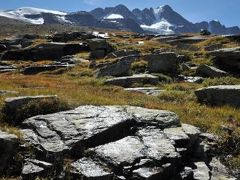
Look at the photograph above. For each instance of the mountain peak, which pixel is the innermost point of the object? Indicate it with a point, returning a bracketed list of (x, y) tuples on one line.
[(166, 7), (162, 19), (121, 6)]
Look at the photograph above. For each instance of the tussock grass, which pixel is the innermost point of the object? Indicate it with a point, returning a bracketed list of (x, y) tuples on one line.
[(221, 81)]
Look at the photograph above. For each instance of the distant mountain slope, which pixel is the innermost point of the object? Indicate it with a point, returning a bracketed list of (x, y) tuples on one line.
[(161, 20)]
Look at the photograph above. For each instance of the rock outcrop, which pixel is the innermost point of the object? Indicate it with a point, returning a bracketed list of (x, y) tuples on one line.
[(162, 63), (99, 48), (210, 71), (49, 51), (114, 142), (227, 59), (220, 95), (121, 67), (123, 53)]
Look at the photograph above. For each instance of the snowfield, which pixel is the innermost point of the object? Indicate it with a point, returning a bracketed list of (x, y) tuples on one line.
[(161, 27), (19, 14), (114, 16)]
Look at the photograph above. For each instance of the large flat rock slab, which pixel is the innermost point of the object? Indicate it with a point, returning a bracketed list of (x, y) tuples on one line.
[(89, 126), (151, 91), (220, 95)]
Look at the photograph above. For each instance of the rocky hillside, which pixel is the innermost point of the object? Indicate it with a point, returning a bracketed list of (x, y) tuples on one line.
[(160, 20), (119, 105)]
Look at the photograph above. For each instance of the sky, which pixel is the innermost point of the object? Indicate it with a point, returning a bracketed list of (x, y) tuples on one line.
[(226, 11)]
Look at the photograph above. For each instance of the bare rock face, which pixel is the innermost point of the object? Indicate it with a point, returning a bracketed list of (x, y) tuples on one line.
[(114, 142), (220, 95)]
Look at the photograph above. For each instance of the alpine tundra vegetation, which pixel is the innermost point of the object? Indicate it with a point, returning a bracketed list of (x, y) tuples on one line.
[(118, 94)]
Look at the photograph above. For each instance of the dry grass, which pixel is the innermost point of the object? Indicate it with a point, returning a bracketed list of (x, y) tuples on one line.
[(77, 91), (226, 43), (79, 87)]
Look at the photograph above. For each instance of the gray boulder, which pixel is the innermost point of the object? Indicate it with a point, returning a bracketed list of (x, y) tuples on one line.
[(134, 79), (99, 48), (220, 95), (227, 59), (210, 71), (121, 67), (9, 146), (162, 63)]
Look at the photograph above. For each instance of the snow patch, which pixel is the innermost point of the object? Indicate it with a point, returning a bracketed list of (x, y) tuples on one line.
[(114, 16), (161, 27), (63, 19)]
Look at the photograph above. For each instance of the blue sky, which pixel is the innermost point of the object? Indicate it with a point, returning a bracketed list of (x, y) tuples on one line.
[(226, 11)]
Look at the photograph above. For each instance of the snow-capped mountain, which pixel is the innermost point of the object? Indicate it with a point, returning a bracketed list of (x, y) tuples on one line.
[(31, 15), (161, 20)]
